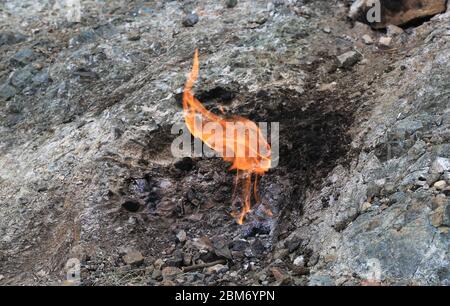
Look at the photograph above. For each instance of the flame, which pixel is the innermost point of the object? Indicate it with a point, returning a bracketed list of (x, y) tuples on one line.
[(249, 152)]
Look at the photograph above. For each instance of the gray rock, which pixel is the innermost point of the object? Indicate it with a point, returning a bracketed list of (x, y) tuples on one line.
[(393, 30), (10, 38), (21, 77), (7, 91), (23, 57), (367, 39), (348, 59), (320, 280), (190, 20), (221, 249), (41, 78), (85, 36), (440, 165), (231, 3), (181, 236)]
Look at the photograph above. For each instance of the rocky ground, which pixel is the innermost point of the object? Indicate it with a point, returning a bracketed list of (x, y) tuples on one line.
[(361, 194)]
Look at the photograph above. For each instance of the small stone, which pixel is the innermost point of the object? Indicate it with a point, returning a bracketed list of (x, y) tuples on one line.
[(158, 263), (41, 78), (176, 260), (438, 201), (10, 38), (367, 39), (293, 243), (365, 206), (231, 3), (41, 273), (131, 205), (156, 274), (320, 280), (440, 185), (219, 268), (190, 20), (393, 30), (181, 236), (385, 41), (327, 87), (279, 274), (441, 216), (134, 36), (258, 247), (21, 77), (221, 249), (433, 178), (170, 271), (326, 30), (299, 261), (23, 57), (447, 176), (184, 164), (440, 165), (133, 258), (7, 92), (348, 59)]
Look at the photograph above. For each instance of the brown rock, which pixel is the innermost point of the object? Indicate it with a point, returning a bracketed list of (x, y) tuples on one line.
[(440, 185), (441, 216), (170, 271), (396, 12), (133, 258), (279, 274)]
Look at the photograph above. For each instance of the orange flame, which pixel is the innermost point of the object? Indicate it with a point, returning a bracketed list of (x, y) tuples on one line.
[(246, 149)]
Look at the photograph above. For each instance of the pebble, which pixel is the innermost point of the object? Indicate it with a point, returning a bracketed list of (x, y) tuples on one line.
[(365, 206), (134, 37), (170, 271), (393, 30), (156, 274), (348, 59), (133, 258), (219, 268), (184, 164), (326, 30), (131, 205), (181, 236), (158, 263), (299, 261), (385, 41), (440, 185), (190, 20), (367, 39), (221, 249), (447, 176), (440, 165), (10, 38), (23, 56), (20, 78), (231, 3), (7, 92)]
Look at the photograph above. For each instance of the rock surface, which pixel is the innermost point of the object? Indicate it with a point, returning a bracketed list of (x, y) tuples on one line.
[(85, 121)]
